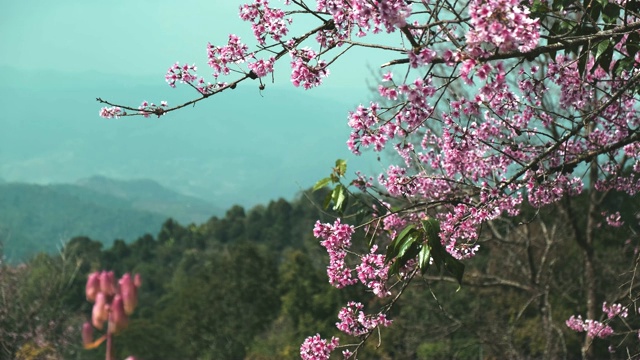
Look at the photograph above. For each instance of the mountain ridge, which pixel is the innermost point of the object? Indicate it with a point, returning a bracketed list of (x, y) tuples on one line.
[(35, 218), (149, 195)]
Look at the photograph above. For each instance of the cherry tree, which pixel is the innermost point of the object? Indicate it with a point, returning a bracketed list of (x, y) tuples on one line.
[(489, 105)]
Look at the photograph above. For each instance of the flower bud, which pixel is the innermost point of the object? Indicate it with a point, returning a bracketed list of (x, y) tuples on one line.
[(107, 282), (100, 312), (129, 293), (87, 333), (137, 280), (93, 286), (118, 320)]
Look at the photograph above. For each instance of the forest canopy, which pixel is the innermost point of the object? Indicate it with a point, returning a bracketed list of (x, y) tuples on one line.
[(252, 285)]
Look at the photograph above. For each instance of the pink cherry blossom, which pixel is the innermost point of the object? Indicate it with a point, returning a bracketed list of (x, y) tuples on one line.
[(316, 348)]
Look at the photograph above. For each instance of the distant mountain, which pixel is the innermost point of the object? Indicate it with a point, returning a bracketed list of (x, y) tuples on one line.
[(236, 148), (148, 195), (35, 218)]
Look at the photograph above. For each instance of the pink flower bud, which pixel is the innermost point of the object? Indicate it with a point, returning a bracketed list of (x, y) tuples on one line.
[(87, 333), (93, 286), (100, 312), (129, 293), (107, 282), (137, 280), (118, 320)]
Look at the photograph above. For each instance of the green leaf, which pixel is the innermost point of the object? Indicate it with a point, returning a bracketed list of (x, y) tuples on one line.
[(633, 44), (321, 183), (412, 238), (439, 253), (604, 54), (624, 64), (566, 26), (431, 227), (393, 248), (344, 201), (555, 29), (610, 13), (341, 167), (582, 60), (539, 8), (456, 268), (339, 196), (595, 7), (411, 252), (327, 200), (423, 258), (605, 59), (559, 5), (432, 231), (602, 47)]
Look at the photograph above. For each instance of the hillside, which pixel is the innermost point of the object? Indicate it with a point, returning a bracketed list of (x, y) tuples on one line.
[(148, 195), (36, 218)]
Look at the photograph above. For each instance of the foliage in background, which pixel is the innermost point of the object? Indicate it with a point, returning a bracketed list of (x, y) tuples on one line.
[(252, 285)]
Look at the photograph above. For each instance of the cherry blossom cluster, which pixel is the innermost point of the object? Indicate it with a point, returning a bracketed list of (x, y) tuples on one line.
[(337, 240), (186, 75), (553, 190), (365, 16), (393, 223), (613, 220), (369, 129), (181, 73), (147, 108), (564, 72), (503, 23), (303, 72), (363, 182), (372, 270), (614, 310), (113, 112), (266, 21), (207, 88), (353, 321), (112, 303), (317, 348), (594, 329), (362, 120), (476, 150), (374, 273), (262, 67), (421, 57), (235, 52)]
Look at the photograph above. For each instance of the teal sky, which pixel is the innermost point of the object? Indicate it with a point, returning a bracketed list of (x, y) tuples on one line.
[(240, 147)]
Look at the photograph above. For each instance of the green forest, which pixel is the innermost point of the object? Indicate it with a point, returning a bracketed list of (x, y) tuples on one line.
[(252, 285)]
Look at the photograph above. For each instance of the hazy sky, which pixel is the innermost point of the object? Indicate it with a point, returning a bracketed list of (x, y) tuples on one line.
[(240, 147)]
